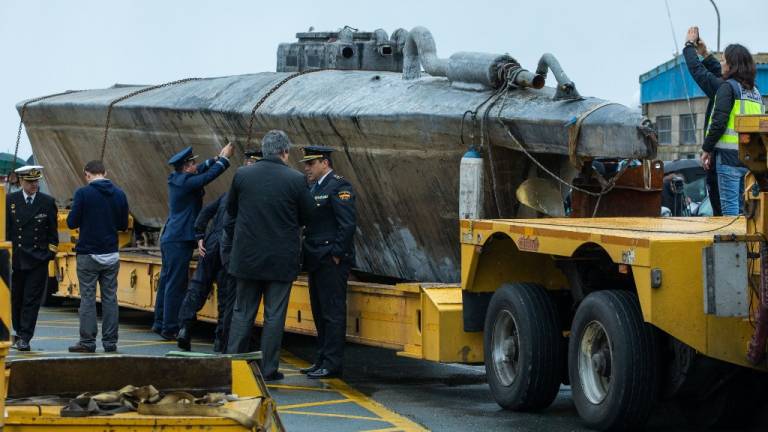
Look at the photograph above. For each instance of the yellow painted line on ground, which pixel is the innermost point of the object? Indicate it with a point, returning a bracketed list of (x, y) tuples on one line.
[(145, 343), (344, 416), (313, 404), (75, 338), (359, 398), (293, 387), (392, 429)]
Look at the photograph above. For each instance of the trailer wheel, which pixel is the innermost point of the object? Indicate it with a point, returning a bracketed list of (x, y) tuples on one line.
[(612, 362), (522, 347)]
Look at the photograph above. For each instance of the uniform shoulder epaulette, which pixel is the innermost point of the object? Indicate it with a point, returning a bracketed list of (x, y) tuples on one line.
[(338, 177)]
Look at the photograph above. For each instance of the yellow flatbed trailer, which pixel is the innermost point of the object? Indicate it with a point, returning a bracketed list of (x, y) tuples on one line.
[(418, 320)]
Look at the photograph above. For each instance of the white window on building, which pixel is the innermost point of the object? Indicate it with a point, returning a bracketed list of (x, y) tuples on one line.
[(687, 129), (664, 126)]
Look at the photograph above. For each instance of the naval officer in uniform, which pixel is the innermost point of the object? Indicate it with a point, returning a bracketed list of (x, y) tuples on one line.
[(328, 256), (31, 225), (185, 195)]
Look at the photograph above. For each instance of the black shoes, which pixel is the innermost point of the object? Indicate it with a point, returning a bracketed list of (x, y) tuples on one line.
[(183, 339), (21, 345), (168, 336), (110, 348), (80, 348), (312, 368), (275, 376), (324, 373)]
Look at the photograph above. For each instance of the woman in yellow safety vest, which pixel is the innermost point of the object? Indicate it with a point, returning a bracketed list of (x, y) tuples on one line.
[(736, 95)]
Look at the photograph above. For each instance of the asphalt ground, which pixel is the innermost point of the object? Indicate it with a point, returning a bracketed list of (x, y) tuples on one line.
[(379, 391)]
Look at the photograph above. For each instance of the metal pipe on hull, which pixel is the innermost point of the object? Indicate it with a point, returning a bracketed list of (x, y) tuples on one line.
[(398, 141)]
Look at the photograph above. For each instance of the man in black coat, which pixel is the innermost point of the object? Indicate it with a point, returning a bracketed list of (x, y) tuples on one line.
[(270, 203), (329, 254), (31, 225), (211, 265), (708, 76)]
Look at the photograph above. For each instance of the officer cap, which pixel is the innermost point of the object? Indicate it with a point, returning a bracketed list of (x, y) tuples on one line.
[(316, 152), (254, 154), (30, 172), (181, 157)]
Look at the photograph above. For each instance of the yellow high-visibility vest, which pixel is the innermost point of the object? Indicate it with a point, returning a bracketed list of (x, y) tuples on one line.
[(744, 102)]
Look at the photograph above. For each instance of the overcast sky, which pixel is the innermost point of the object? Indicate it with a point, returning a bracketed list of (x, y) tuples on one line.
[(603, 45)]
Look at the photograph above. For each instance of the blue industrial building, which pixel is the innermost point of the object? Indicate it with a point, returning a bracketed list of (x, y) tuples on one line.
[(680, 119)]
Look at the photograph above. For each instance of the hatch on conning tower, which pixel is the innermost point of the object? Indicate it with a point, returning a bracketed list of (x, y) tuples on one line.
[(346, 49)]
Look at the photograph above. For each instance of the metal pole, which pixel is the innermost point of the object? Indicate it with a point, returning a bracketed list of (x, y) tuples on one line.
[(718, 23)]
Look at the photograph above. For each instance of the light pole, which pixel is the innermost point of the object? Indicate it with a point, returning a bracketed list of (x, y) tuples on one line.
[(718, 23)]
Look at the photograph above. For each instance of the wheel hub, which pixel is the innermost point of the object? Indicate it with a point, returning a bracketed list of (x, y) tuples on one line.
[(595, 362), (510, 348), (506, 348), (601, 362)]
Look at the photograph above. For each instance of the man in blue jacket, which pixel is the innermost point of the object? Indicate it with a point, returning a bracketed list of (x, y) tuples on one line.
[(99, 210), (185, 195)]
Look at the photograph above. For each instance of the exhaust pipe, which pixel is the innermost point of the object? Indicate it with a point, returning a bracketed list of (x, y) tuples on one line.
[(566, 89), (420, 51), (473, 68)]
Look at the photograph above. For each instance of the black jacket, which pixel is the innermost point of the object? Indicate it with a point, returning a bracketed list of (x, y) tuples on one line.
[(708, 76), (331, 231), (99, 210), (32, 229), (270, 203), (215, 214)]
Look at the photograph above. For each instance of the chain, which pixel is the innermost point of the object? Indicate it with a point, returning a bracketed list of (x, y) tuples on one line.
[(128, 96), (266, 96), (21, 121)]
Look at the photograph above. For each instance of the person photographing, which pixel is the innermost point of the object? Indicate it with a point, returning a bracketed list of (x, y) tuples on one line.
[(736, 94)]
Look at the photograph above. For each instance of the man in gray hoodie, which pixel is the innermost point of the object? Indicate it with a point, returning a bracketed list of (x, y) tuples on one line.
[(99, 210)]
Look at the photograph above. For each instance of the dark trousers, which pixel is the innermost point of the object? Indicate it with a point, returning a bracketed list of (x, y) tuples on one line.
[(248, 294), (209, 268), (174, 277), (714, 190), (225, 299), (27, 288), (328, 295), (89, 274)]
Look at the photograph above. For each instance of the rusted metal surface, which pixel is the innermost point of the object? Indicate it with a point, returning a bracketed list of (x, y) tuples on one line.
[(637, 193), (398, 142)]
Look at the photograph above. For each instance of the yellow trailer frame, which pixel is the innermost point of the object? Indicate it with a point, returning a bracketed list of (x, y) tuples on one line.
[(418, 320), (501, 251)]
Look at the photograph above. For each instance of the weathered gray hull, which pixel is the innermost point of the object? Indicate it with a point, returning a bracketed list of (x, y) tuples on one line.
[(398, 141)]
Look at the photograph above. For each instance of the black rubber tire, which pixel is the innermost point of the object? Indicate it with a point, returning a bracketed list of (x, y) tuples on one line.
[(632, 392), (540, 353)]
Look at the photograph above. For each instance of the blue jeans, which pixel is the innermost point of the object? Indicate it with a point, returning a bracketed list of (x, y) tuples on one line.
[(730, 181), (174, 276)]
